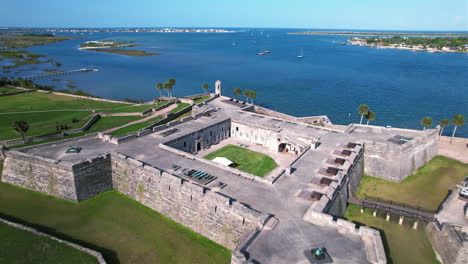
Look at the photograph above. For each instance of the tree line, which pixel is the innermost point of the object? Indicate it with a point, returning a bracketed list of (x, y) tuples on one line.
[(457, 120)]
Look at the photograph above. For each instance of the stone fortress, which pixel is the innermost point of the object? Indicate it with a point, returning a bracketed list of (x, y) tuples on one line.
[(278, 218)]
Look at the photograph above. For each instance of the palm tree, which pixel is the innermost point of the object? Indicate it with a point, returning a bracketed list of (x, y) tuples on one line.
[(426, 122), (370, 116), (21, 127), (457, 120), (237, 92), (363, 109), (443, 123), (167, 87), (253, 95), (159, 87), (205, 87), (172, 82), (247, 95)]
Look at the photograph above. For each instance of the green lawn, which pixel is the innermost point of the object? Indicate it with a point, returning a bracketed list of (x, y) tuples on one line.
[(134, 108), (122, 229), (179, 107), (45, 122), (4, 90), (201, 99), (403, 245), (426, 188), (41, 123), (135, 127), (20, 246), (112, 121), (246, 160)]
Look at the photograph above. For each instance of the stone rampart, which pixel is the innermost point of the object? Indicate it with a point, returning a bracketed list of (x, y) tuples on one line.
[(451, 247), (92, 177), (208, 213), (371, 238), (397, 162), (40, 174)]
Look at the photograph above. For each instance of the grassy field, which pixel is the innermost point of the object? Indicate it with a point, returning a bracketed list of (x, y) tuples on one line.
[(120, 228), (246, 160), (112, 121), (4, 90), (403, 245), (179, 107), (201, 99), (134, 108), (20, 246), (426, 188), (127, 52), (60, 109), (135, 127)]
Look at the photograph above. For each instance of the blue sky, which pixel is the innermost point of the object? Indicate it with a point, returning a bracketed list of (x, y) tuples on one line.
[(325, 14)]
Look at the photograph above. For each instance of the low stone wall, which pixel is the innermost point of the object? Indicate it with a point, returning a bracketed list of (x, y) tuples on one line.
[(371, 238), (449, 246), (206, 212), (96, 254)]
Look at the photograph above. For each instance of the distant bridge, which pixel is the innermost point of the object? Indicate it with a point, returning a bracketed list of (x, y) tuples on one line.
[(54, 74)]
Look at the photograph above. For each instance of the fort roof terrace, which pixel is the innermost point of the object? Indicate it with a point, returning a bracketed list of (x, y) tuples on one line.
[(292, 236)]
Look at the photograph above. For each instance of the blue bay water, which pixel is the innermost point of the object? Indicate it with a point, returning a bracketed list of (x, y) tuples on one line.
[(332, 79)]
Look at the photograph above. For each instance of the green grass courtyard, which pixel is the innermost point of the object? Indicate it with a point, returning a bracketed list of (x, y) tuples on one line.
[(426, 188), (123, 230), (245, 160)]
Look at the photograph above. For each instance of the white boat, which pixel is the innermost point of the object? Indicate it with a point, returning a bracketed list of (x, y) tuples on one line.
[(301, 55)]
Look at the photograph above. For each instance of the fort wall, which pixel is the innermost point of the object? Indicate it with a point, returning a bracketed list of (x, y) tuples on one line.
[(203, 138), (40, 174), (395, 163), (206, 212), (92, 177), (451, 247)]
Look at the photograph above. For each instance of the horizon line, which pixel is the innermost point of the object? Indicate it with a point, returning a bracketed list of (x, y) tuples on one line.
[(230, 27)]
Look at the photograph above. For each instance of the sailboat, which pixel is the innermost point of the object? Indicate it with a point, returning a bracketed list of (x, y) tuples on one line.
[(301, 55)]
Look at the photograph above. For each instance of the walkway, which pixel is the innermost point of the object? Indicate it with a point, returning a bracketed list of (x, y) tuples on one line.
[(457, 150), (395, 208), (154, 115)]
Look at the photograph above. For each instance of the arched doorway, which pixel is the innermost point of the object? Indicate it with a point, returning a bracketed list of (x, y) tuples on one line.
[(198, 146), (282, 147)]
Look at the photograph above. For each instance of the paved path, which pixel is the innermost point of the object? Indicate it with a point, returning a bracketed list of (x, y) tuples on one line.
[(393, 208), (155, 114), (457, 150)]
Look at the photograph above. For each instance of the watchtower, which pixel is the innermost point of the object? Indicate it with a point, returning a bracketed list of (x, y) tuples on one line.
[(218, 88)]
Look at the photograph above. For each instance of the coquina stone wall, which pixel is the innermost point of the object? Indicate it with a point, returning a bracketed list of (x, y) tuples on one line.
[(40, 174), (395, 163), (206, 212), (203, 138), (73, 182), (92, 177), (451, 248)]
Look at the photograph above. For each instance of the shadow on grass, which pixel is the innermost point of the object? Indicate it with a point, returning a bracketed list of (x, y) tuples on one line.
[(109, 255)]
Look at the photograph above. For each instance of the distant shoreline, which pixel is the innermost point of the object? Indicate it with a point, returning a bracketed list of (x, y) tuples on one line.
[(379, 33)]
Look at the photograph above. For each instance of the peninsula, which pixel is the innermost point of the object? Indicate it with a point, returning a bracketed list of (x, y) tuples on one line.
[(380, 33), (106, 46), (435, 44)]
